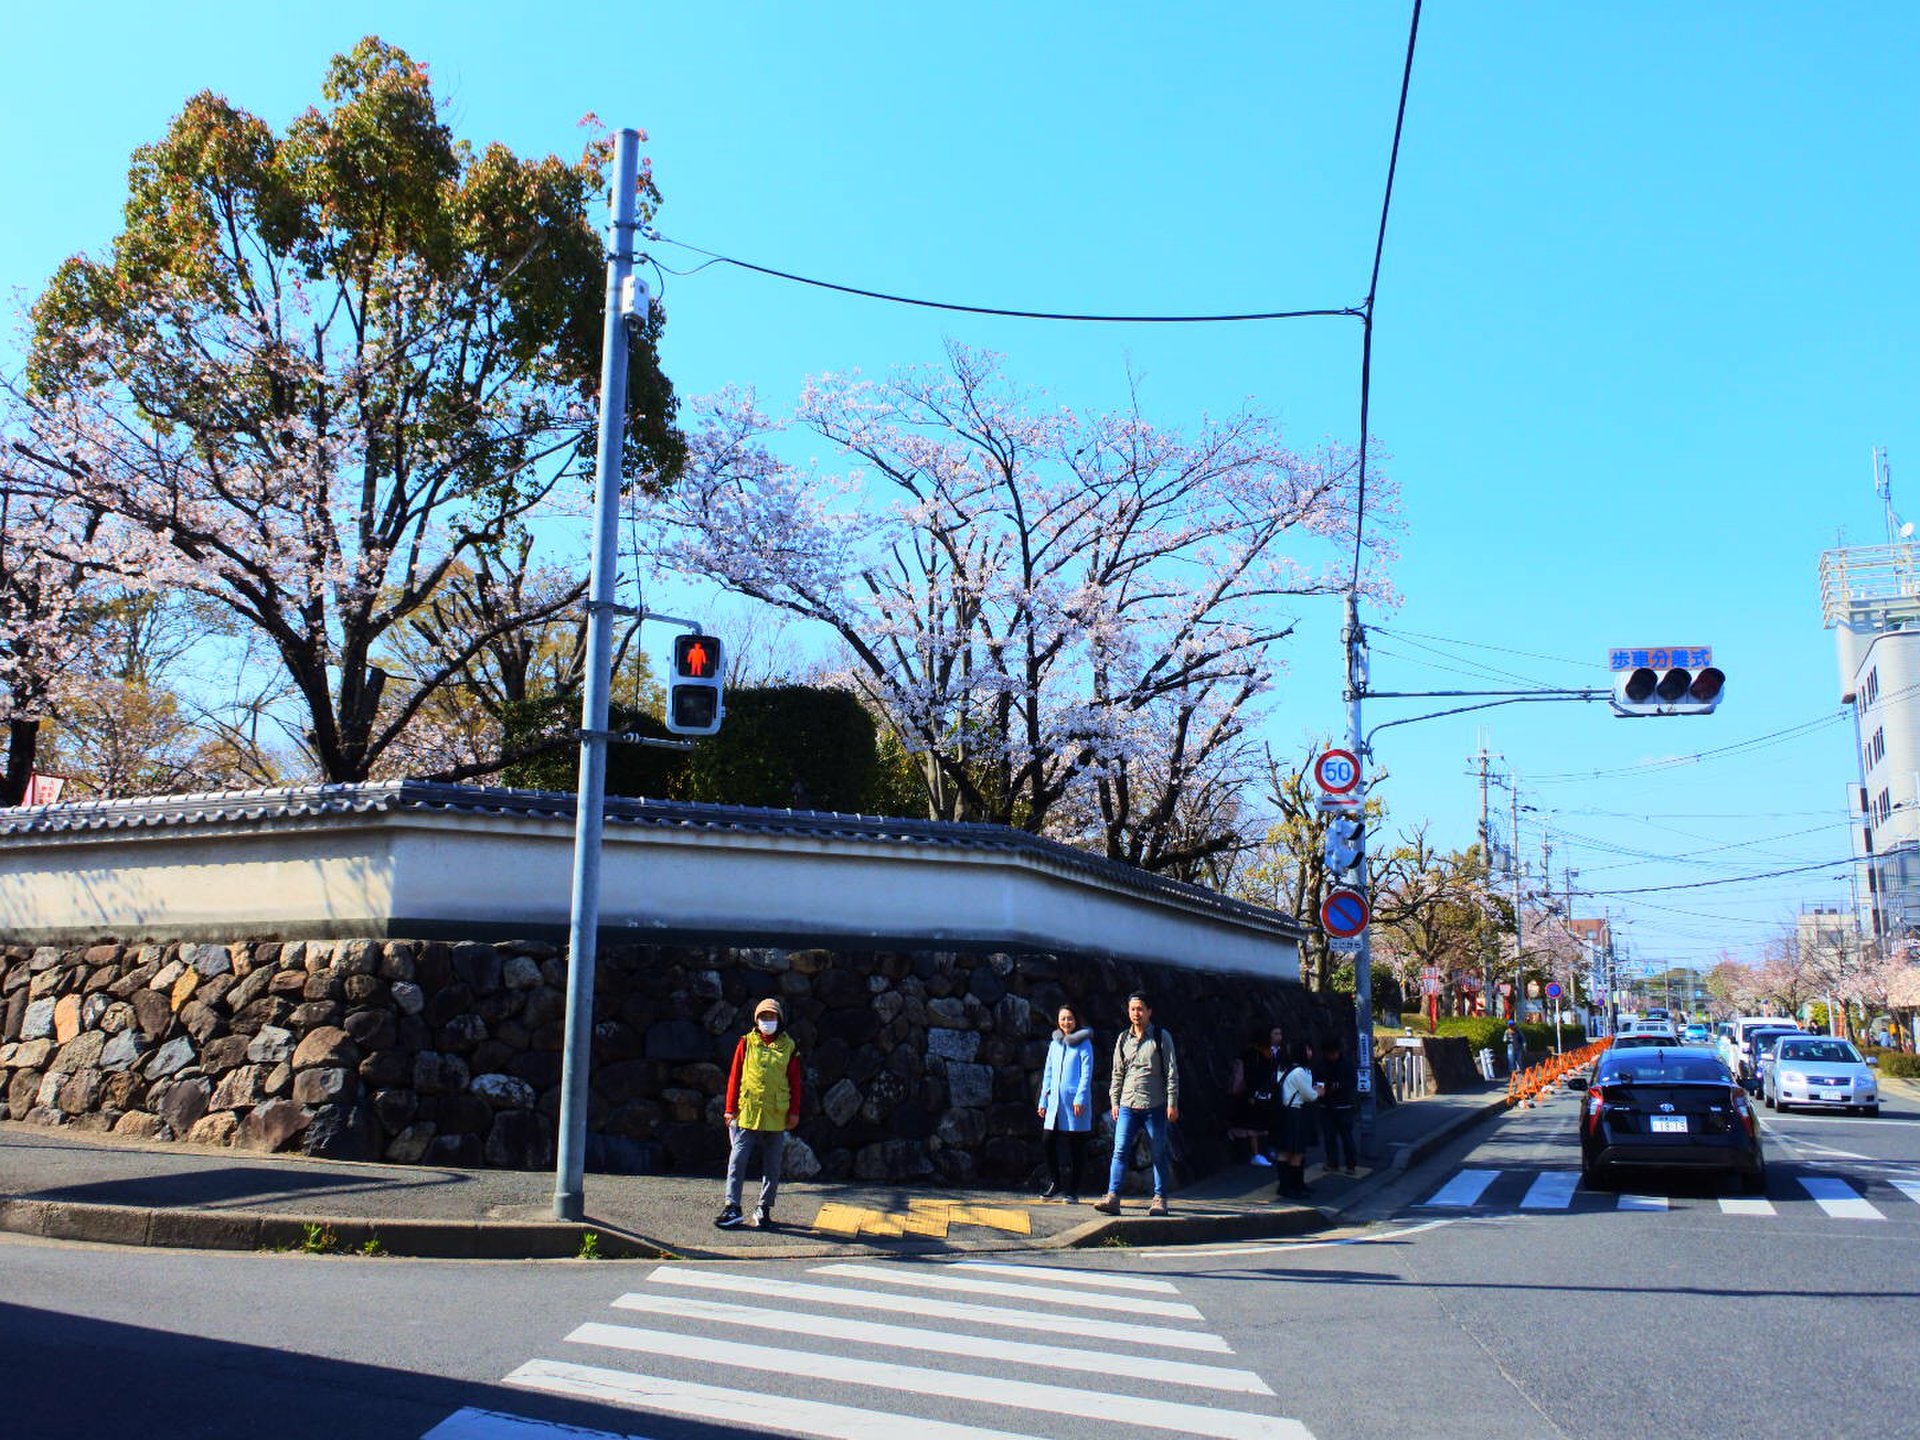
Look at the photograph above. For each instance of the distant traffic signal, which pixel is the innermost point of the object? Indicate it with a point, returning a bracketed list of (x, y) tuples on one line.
[(1674, 691), (693, 686)]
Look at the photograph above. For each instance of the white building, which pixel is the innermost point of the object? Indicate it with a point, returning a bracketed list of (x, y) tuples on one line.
[(1870, 599)]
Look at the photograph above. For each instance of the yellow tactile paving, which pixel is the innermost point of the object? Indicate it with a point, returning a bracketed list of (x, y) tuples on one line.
[(926, 1218)]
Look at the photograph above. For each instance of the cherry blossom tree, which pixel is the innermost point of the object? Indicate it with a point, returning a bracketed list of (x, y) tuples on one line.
[(1035, 601), (319, 369)]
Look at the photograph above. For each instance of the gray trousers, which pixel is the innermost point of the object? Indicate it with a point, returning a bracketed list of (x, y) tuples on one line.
[(768, 1145)]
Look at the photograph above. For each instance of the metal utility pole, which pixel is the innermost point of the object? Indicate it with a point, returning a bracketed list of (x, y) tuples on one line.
[(1355, 639), (1513, 867), (569, 1181), (1488, 978)]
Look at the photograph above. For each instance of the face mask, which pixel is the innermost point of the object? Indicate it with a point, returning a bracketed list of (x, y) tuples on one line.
[(768, 1027)]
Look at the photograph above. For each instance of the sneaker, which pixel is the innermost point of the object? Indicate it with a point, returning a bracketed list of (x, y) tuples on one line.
[(1052, 1192), (1349, 1170), (763, 1220), (1108, 1204), (1262, 1160), (1159, 1205), (730, 1218)]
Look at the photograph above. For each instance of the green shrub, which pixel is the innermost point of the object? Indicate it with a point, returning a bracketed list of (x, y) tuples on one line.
[(1896, 1063)]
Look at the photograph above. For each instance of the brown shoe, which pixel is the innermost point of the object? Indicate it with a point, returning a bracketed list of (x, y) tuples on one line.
[(1159, 1205), (1108, 1204)]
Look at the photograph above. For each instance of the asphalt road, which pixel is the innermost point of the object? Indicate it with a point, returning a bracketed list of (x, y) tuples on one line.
[(1579, 1314)]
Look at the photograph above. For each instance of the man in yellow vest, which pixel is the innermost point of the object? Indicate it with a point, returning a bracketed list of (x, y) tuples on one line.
[(763, 1103)]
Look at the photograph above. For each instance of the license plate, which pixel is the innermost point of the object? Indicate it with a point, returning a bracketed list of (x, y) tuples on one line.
[(1669, 1124)]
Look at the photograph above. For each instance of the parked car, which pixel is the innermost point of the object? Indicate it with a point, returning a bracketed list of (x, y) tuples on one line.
[(1816, 1071), (1680, 1109)]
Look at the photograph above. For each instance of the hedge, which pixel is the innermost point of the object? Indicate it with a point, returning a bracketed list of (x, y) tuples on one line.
[(1483, 1032), (1897, 1063)]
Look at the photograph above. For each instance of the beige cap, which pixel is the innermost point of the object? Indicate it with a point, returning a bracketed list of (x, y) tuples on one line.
[(769, 1007)]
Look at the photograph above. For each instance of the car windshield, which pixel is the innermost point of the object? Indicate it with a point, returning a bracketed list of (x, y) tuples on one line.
[(1662, 1067), (1763, 1044), (1832, 1052)]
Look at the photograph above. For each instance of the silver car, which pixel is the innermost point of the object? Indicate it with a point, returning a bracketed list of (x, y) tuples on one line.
[(1817, 1072)]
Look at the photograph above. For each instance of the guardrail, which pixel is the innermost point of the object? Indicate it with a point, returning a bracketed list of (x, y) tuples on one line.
[(1524, 1087)]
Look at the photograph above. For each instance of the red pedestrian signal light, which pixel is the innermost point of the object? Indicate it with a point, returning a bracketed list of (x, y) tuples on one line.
[(695, 657), (694, 700)]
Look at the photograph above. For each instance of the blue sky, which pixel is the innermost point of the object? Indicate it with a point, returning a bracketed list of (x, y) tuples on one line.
[(1648, 303)]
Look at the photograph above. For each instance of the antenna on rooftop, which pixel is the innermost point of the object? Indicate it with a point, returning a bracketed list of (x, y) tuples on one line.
[(1897, 529)]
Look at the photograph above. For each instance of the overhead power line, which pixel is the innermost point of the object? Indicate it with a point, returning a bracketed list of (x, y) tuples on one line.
[(1350, 312), (1729, 880)]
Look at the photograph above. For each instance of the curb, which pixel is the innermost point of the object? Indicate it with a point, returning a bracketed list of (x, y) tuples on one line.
[(246, 1230), (1410, 1153), (1195, 1229)]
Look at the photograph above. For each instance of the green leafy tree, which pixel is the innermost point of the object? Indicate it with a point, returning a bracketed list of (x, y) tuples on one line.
[(319, 369)]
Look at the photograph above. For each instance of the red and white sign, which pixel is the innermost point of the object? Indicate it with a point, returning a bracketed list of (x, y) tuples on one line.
[(1337, 772), (43, 789), (1429, 987)]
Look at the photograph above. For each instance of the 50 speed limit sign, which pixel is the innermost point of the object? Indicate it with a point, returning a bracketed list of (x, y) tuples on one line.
[(1337, 772)]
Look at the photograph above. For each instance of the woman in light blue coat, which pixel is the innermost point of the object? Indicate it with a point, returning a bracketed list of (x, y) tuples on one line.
[(1066, 1104)]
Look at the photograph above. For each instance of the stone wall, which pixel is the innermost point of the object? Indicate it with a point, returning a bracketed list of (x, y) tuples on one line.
[(917, 1063)]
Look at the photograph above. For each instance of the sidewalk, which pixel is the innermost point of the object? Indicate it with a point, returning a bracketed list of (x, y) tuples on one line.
[(61, 1185)]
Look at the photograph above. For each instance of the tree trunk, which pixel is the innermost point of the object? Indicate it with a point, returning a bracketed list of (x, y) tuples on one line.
[(23, 743)]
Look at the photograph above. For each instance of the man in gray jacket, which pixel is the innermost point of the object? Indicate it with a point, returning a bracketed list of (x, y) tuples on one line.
[(1144, 1091)]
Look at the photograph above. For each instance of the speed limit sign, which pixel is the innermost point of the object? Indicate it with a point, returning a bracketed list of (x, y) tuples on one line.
[(1337, 771)]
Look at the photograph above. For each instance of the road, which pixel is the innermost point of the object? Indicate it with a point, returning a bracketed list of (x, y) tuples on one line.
[(1488, 1298)]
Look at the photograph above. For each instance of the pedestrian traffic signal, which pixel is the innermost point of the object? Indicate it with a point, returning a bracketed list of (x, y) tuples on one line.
[(693, 686), (1677, 691)]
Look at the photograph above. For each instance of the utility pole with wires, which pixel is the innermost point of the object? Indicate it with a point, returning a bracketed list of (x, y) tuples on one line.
[(1513, 872), (1487, 977)]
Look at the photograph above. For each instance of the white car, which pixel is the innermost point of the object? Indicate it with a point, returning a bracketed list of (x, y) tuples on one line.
[(1818, 1072)]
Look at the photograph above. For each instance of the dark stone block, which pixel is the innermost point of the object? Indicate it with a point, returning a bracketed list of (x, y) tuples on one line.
[(460, 1034), (394, 1109), (365, 990), (414, 1034), (458, 1151), (613, 1040), (340, 1132), (696, 1148), (324, 985), (444, 1005), (620, 1155), (678, 1040), (840, 988), (853, 1027), (223, 1054), (910, 1122), (199, 1021), (152, 1014), (520, 1140), (317, 1014), (433, 966), (477, 967), (289, 985), (462, 1114), (540, 1068), (386, 1068), (985, 986), (250, 989), (498, 1006), (372, 1029), (184, 1102)]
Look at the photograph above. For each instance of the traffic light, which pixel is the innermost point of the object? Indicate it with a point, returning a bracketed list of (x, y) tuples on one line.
[(693, 686), (1675, 691)]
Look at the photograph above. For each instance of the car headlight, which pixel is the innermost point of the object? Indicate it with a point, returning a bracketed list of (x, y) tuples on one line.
[(1793, 1077), (1864, 1081)]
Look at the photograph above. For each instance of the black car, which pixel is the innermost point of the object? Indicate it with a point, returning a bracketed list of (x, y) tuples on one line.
[(1667, 1109)]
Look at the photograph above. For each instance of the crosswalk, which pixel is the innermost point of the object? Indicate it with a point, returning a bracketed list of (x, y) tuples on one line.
[(1537, 1190), (939, 1350)]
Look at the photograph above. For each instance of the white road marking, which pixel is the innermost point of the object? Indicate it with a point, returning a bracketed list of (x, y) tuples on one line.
[(1838, 1198), (928, 1307), (1069, 1277), (1552, 1191), (471, 1424), (946, 1342), (719, 1406), (1730, 1206), (1099, 1405), (1643, 1202), (1908, 1188), (1464, 1189), (932, 1278)]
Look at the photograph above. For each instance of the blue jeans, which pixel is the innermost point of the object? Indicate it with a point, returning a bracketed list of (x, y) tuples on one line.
[(1124, 1131), (767, 1145)]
